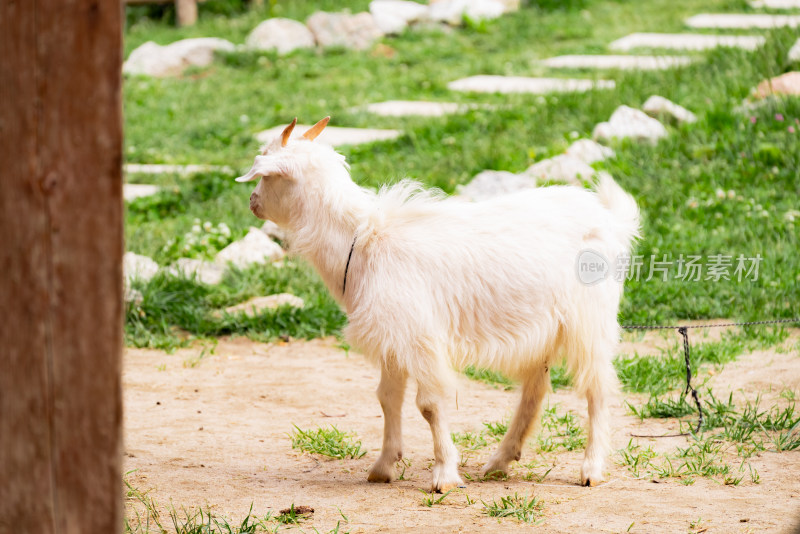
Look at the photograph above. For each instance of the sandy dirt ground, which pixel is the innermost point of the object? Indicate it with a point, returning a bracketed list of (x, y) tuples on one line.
[(214, 431)]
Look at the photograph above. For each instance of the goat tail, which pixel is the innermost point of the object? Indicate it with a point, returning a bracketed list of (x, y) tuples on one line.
[(623, 208)]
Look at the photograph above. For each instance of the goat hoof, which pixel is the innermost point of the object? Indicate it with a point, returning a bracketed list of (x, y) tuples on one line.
[(591, 475), (495, 468), (444, 488), (380, 474), (445, 480)]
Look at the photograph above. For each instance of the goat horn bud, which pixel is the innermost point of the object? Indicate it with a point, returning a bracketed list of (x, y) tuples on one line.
[(287, 132), (315, 130)]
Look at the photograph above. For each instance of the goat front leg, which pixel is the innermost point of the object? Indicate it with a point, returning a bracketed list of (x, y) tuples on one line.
[(525, 419), (430, 402), (390, 394)]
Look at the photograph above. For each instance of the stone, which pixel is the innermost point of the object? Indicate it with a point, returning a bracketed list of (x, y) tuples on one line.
[(134, 191), (510, 5), (205, 272), (785, 84), (739, 21), (661, 108), (453, 11), (627, 122), (343, 29), (138, 267), (273, 231), (521, 84), (334, 136), (151, 59), (254, 248), (393, 16), (589, 151), (488, 184), (686, 41), (775, 4), (184, 170), (405, 108), (617, 62), (133, 296), (794, 52), (281, 35), (562, 168), (256, 305)]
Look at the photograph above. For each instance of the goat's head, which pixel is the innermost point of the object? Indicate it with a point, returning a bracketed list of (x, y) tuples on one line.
[(282, 167)]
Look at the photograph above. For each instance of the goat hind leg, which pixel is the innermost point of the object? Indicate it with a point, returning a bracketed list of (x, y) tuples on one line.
[(598, 443), (526, 417)]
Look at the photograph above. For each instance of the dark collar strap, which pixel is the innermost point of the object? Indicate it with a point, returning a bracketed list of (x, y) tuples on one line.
[(347, 267)]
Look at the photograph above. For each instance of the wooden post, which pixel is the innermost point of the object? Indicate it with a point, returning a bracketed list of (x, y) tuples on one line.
[(186, 12), (60, 266)]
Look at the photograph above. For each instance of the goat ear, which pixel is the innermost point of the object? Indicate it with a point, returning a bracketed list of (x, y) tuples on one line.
[(263, 166), (315, 130), (287, 132)]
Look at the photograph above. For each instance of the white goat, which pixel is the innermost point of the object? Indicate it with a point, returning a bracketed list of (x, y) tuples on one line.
[(431, 283)]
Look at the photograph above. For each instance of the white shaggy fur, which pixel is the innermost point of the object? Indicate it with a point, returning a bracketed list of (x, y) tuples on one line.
[(436, 283)]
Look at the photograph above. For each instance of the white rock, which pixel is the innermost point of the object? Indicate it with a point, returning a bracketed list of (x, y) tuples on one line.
[(617, 62), (488, 184), (738, 21), (454, 11), (393, 16), (333, 136), (138, 267), (794, 52), (273, 231), (343, 29), (256, 305), (589, 151), (510, 5), (405, 108), (775, 4), (659, 107), (562, 168), (151, 59), (521, 84), (205, 271), (134, 191), (133, 295), (283, 35), (787, 83), (686, 41), (627, 122), (255, 247), (157, 168)]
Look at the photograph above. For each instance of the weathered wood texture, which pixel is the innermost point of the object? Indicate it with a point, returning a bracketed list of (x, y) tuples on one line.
[(60, 266)]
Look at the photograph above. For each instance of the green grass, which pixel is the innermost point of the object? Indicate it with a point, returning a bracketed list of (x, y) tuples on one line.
[(527, 510), (666, 371), (560, 432), (431, 499), (143, 517), (731, 435), (175, 309), (330, 442), (210, 116), (487, 376)]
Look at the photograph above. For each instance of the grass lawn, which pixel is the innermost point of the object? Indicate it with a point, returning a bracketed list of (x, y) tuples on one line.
[(725, 185)]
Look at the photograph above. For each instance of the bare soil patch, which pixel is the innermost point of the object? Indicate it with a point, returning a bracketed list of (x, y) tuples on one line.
[(214, 431)]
